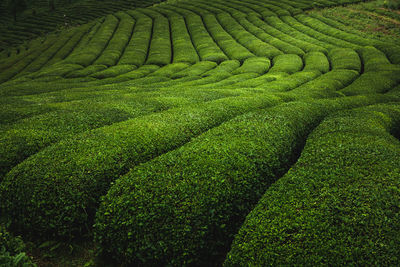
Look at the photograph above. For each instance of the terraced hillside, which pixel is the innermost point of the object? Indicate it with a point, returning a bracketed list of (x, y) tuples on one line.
[(206, 133)]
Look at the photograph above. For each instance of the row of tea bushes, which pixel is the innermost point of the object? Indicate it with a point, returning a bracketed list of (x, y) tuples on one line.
[(184, 207), (42, 196), (338, 204)]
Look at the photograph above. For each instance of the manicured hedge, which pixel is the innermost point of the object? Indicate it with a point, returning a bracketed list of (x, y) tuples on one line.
[(232, 48), (265, 37), (160, 51), (45, 198), (338, 205), (274, 30), (183, 50), (326, 85), (195, 70), (373, 59), (136, 51), (113, 71), (203, 42), (259, 65), (344, 58), (289, 63), (116, 46), (90, 52), (316, 61), (252, 43), (227, 66), (373, 82), (185, 206)]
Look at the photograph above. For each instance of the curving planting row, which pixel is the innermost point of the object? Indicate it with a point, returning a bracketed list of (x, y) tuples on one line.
[(43, 196), (184, 207), (337, 203)]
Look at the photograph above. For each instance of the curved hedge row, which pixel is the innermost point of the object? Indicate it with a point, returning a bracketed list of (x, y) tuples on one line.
[(184, 207), (289, 63), (338, 204), (43, 197)]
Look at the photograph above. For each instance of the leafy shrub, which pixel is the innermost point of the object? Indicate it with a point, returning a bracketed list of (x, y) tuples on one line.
[(257, 65), (337, 204), (43, 197), (316, 61), (288, 63), (344, 58), (113, 71), (160, 47), (11, 251), (200, 193), (136, 51), (226, 66), (195, 70)]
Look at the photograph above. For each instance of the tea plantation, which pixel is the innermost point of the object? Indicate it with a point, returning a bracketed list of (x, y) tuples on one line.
[(199, 133)]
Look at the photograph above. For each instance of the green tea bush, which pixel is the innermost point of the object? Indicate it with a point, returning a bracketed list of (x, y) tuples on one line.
[(227, 66), (136, 51), (373, 59), (170, 69), (112, 53), (195, 70), (232, 49), (285, 47), (160, 52), (15, 67), (71, 44), (113, 71), (261, 81), (259, 65), (289, 27), (89, 53), (253, 44), (185, 206), (60, 199), (344, 58), (373, 82), (337, 204), (206, 47), (183, 50), (86, 71), (324, 28), (316, 61), (326, 85), (290, 82), (233, 79), (273, 30), (12, 250), (289, 63)]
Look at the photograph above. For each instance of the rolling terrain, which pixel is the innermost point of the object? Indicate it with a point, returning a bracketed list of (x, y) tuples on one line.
[(235, 133)]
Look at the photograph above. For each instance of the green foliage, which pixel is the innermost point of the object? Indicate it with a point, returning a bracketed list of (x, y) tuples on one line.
[(288, 63), (12, 250), (316, 61), (257, 65), (344, 58), (203, 190), (337, 203)]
